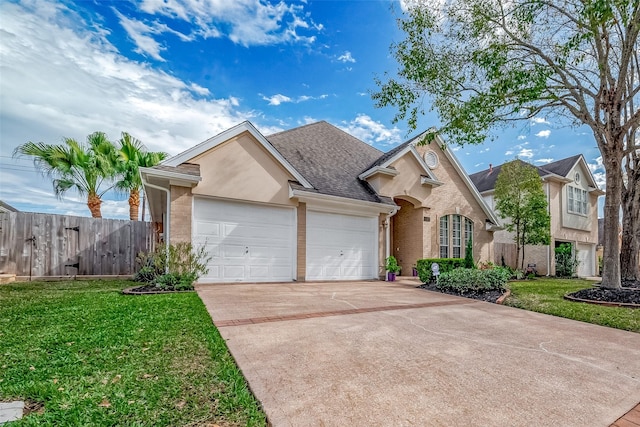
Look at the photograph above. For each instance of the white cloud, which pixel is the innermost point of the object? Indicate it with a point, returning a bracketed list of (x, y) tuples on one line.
[(547, 160), (509, 153), (346, 57), (456, 148), (521, 137), (539, 121), (60, 78), (597, 170), (277, 99), (485, 150), (526, 153), (543, 133), (366, 129), (245, 22)]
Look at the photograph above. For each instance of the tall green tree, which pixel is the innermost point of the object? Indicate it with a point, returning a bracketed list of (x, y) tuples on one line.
[(131, 156), (71, 165), (520, 199), (488, 63)]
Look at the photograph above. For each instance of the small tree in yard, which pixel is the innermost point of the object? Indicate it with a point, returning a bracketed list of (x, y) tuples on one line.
[(468, 255), (520, 198), (489, 63)]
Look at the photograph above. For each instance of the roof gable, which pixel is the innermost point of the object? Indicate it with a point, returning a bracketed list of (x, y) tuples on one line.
[(401, 150), (213, 142)]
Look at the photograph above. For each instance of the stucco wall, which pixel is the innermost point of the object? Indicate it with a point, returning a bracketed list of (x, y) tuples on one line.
[(242, 169)]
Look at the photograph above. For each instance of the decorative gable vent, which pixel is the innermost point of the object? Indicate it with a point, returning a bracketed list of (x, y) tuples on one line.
[(577, 178), (431, 159)]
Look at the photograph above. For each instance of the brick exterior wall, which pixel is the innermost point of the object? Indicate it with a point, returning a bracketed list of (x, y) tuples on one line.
[(181, 206), (301, 255), (407, 242)]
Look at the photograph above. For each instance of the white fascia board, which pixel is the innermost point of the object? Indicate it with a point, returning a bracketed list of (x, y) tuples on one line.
[(331, 203), (172, 176), (465, 178), (378, 169), (245, 126), (556, 177)]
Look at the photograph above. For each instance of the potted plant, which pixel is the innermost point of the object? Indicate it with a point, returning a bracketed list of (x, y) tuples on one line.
[(392, 268)]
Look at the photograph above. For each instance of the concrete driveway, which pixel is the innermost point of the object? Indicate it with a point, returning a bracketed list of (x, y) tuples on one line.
[(377, 353)]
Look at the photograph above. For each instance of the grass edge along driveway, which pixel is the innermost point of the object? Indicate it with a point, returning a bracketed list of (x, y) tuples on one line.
[(545, 295), (92, 356)]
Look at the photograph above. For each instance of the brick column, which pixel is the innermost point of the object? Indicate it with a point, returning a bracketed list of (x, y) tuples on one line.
[(181, 206), (301, 240)]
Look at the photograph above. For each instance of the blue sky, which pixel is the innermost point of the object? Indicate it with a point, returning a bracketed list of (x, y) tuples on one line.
[(176, 72)]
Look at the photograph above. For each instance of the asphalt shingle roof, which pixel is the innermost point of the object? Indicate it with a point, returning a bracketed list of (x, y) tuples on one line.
[(330, 159), (185, 168), (486, 180)]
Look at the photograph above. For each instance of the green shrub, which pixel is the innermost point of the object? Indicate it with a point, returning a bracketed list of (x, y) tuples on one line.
[(186, 265), (446, 265), (392, 265), (464, 280), (566, 261)]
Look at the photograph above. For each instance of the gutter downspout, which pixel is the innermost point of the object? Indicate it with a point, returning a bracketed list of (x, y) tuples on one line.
[(388, 234), (168, 220)]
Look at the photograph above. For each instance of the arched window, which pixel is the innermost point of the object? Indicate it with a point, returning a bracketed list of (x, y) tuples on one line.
[(455, 231)]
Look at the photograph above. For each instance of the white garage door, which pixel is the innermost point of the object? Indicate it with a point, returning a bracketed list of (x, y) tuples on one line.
[(246, 242), (586, 260), (341, 247)]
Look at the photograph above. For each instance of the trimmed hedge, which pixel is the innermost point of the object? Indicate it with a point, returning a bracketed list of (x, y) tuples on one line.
[(463, 280), (446, 265)]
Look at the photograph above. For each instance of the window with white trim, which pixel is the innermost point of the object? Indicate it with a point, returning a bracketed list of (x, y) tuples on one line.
[(576, 200), (444, 237), (452, 243)]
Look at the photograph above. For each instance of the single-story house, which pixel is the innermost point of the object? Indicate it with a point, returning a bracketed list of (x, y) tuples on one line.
[(572, 198), (315, 203)]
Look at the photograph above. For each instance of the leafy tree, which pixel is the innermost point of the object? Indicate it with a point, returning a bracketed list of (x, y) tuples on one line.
[(488, 63), (520, 198), (85, 167), (131, 156)]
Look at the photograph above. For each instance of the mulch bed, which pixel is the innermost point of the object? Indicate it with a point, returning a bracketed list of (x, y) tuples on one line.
[(148, 290), (628, 294), (490, 296)]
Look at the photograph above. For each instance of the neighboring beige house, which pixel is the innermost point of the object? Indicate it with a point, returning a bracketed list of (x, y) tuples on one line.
[(572, 195), (315, 203)]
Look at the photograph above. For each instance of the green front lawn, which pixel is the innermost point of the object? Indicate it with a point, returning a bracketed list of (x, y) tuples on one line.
[(545, 295), (95, 357)]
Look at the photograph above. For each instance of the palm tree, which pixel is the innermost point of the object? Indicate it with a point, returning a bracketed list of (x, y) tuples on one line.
[(85, 167), (132, 155)]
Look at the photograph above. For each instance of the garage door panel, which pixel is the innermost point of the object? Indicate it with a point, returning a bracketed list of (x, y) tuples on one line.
[(341, 247), (247, 242)]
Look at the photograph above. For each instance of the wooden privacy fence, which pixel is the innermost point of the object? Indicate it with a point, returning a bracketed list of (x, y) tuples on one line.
[(506, 252), (34, 244)]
